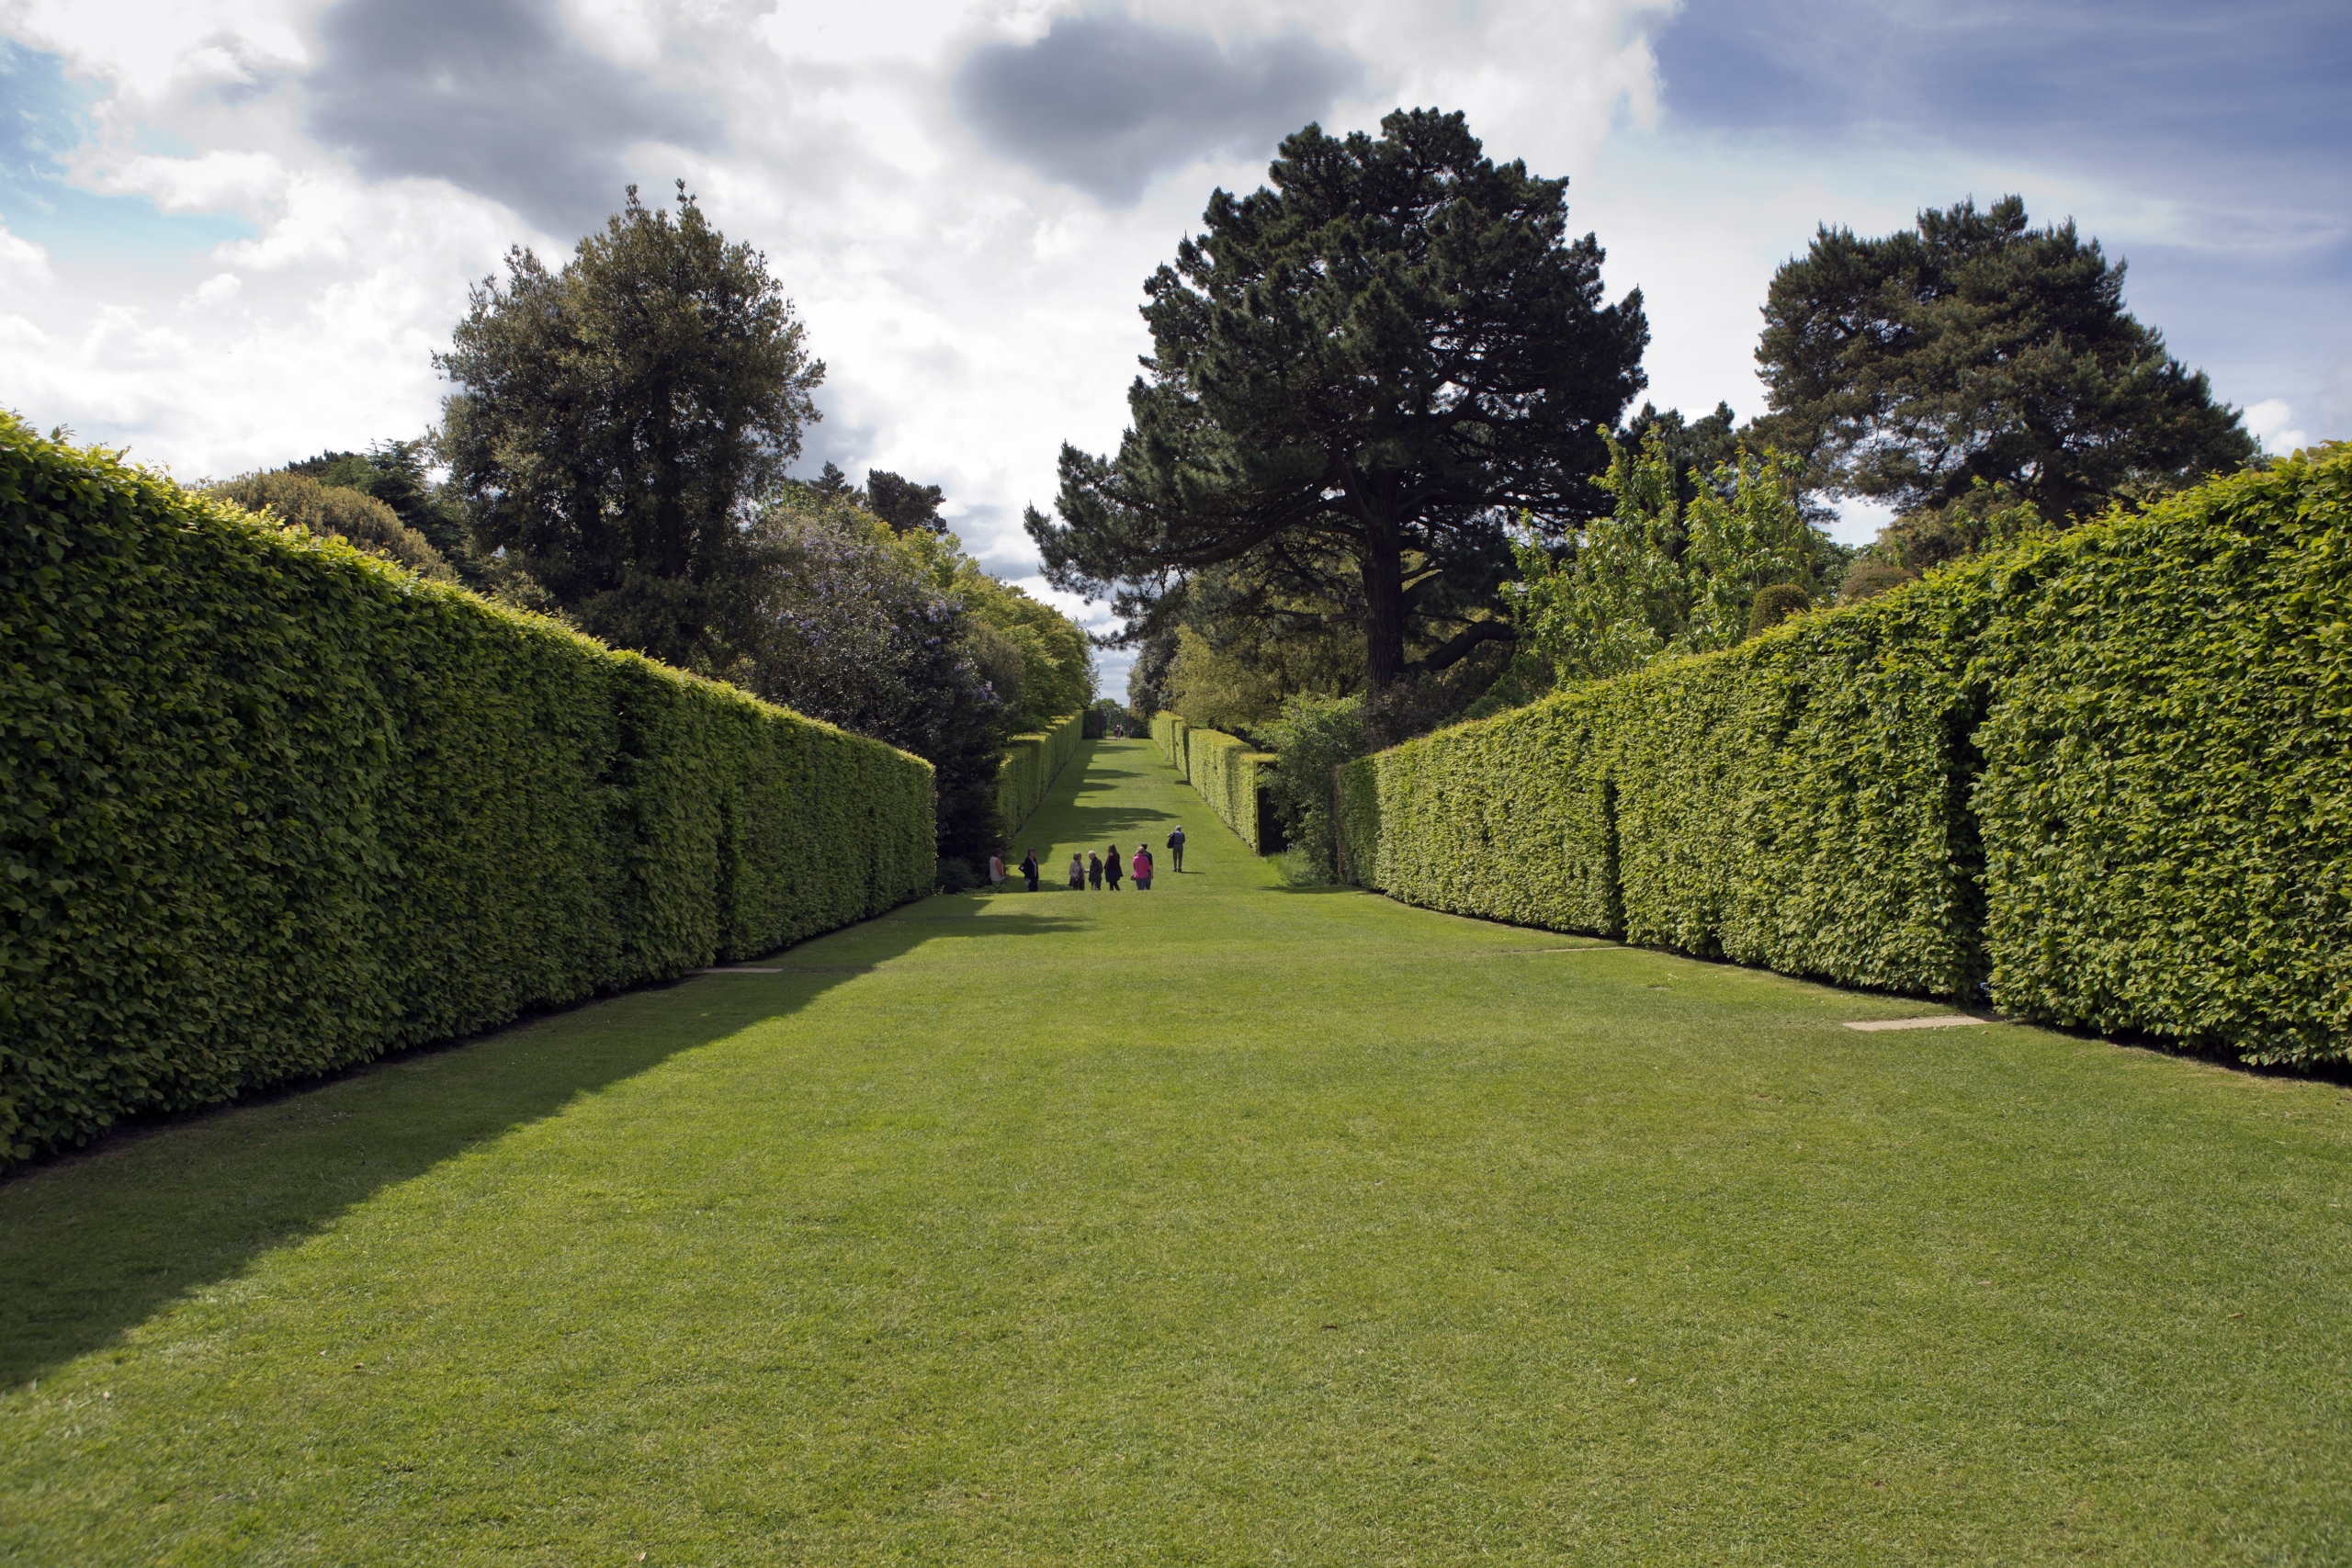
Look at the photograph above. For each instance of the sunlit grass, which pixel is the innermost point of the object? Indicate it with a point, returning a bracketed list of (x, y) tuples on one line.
[(1216, 1223)]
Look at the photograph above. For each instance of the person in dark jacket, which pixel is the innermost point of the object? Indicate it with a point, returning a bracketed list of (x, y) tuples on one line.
[(1094, 871), (1176, 846), (1029, 870), (1111, 872)]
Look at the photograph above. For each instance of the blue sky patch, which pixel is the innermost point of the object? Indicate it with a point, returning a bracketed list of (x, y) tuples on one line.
[(2245, 104), (2234, 119), (44, 119)]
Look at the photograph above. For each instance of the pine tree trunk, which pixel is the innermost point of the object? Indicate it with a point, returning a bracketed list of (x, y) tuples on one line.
[(1383, 622)]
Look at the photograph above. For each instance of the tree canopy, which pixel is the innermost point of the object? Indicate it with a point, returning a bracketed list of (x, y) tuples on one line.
[(618, 423), (1660, 576), (1358, 374), (394, 472), (1972, 350), (900, 635), (900, 503)]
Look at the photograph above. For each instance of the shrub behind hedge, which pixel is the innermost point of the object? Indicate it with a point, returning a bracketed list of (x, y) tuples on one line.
[(269, 807), (2109, 775)]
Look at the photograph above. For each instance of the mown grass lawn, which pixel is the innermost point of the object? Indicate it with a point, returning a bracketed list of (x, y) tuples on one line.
[(1219, 1223)]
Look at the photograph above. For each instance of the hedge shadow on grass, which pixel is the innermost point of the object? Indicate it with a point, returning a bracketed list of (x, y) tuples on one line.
[(1064, 820), (93, 1242), (1096, 826)]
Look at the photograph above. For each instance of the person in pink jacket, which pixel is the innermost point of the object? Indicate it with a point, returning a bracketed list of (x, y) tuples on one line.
[(1142, 865)]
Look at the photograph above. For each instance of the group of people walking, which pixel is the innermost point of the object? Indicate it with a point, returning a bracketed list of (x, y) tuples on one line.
[(1094, 870)]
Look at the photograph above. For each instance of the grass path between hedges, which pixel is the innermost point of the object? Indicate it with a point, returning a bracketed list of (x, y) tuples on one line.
[(1220, 1223)]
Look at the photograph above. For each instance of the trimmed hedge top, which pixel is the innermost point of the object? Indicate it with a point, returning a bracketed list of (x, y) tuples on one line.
[(269, 807)]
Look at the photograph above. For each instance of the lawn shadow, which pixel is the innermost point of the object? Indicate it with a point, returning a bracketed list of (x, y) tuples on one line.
[(1093, 826), (96, 1242), (1063, 821)]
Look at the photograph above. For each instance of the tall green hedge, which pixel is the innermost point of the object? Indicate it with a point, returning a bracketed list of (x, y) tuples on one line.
[(1168, 732), (2166, 796), (1223, 770), (1032, 763), (2107, 776), (1784, 804), (269, 807)]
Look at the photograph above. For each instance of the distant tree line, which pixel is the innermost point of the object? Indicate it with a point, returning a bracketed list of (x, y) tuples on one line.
[(616, 446), (1383, 436), (1380, 454)]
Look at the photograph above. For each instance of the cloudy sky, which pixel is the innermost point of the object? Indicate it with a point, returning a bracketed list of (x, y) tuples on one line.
[(233, 232)]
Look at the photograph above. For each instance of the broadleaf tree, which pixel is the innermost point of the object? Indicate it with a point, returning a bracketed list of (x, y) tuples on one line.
[(1359, 374), (1658, 577), (618, 423), (852, 627)]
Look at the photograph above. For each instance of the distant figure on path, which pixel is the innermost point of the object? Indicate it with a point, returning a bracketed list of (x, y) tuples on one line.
[(996, 869), (1143, 869), (1077, 873), (1176, 847), (1111, 872), (1029, 869), (1094, 871)]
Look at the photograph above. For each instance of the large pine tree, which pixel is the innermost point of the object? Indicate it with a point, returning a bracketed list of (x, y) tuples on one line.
[(1974, 348), (1358, 375)]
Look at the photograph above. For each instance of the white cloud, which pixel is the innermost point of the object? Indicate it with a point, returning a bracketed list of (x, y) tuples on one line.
[(215, 292), (213, 182), (23, 264), (2270, 421), (150, 51), (974, 313), (17, 332)]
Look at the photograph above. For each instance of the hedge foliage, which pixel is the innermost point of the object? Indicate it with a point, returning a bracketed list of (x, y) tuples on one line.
[(2166, 796), (1169, 732), (2106, 778), (1032, 763), (270, 807), (1784, 804), (1224, 770)]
